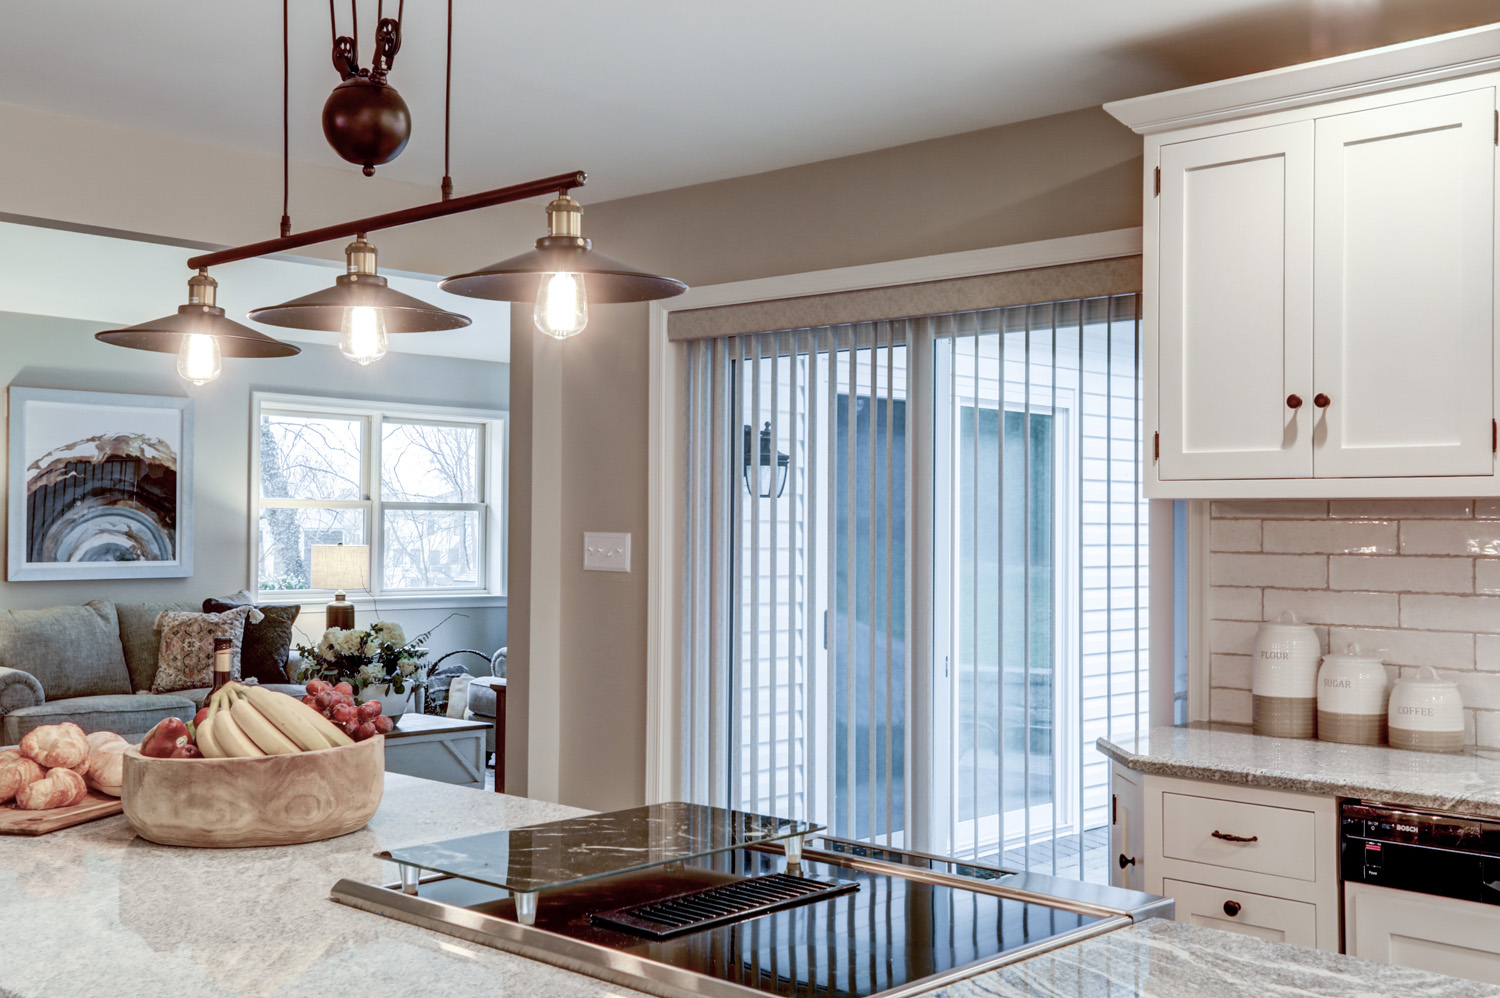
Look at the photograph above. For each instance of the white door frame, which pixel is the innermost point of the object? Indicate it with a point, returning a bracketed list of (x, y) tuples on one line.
[(665, 472)]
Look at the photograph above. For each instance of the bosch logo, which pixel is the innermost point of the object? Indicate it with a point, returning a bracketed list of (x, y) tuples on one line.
[(1406, 828)]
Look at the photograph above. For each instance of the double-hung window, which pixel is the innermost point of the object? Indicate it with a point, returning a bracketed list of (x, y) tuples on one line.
[(422, 486)]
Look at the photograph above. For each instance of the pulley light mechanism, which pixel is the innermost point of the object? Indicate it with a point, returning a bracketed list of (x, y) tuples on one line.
[(200, 335), (365, 120), (362, 308)]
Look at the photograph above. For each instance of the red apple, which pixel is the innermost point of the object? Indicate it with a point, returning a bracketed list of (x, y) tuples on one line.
[(186, 752), (198, 718), (164, 739)]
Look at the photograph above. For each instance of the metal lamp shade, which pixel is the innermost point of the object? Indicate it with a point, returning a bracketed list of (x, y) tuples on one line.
[(165, 335), (605, 279), (325, 309)]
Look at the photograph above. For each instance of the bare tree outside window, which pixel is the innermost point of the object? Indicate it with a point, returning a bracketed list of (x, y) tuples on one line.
[(420, 493)]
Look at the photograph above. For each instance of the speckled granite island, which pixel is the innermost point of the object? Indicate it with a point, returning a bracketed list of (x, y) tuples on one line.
[(1465, 783), (95, 911)]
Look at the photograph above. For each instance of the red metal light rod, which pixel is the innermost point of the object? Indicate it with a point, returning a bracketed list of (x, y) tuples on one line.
[(391, 219)]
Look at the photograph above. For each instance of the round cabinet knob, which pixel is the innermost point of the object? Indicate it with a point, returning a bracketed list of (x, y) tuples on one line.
[(1294, 401), (1231, 908), (1321, 401)]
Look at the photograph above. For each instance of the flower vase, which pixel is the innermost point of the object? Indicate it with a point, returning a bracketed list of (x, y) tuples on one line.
[(392, 705)]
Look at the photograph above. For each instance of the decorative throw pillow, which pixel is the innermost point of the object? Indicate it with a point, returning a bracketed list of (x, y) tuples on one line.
[(267, 644), (186, 659)]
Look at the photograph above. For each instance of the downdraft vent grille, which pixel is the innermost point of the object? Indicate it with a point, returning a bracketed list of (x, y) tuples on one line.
[(714, 906)]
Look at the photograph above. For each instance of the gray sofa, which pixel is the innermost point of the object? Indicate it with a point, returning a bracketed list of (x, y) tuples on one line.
[(92, 665)]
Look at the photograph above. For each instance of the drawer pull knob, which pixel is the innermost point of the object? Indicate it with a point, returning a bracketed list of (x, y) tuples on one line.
[(1294, 401), (1126, 861), (1231, 908), (1235, 838), (1321, 401)]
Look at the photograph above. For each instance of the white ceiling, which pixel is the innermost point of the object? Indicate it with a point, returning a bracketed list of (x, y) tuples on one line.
[(128, 281), (646, 96)]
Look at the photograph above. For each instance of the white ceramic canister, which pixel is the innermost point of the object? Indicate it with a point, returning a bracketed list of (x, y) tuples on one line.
[(1352, 698), (1284, 682), (1426, 713)]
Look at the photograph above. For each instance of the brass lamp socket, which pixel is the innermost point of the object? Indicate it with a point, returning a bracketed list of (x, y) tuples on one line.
[(565, 217), (361, 254), (202, 290)]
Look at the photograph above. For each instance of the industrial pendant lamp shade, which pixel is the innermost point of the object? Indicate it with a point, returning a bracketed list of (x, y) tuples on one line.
[(564, 266), (199, 333), (360, 288)]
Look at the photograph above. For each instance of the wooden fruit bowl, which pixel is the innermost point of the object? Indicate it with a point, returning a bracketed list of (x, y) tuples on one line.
[(272, 800)]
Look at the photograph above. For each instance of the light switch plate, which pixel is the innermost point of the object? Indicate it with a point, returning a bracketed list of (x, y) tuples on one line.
[(606, 552)]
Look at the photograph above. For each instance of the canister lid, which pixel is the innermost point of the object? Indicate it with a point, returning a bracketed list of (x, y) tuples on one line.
[(1286, 623), (1352, 655), (1428, 676)]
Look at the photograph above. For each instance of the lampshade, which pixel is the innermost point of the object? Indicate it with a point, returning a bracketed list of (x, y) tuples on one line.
[(361, 287), (199, 316), (340, 567), (563, 250)]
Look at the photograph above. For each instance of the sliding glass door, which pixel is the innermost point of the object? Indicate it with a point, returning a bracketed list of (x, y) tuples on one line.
[(973, 479)]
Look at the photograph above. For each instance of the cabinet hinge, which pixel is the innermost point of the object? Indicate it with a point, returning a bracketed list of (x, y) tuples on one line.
[(1158, 180), (1156, 446), (1494, 437), (1114, 809), (1497, 128)]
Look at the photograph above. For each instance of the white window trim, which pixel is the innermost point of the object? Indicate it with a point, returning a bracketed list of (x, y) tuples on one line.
[(493, 481), (664, 620)]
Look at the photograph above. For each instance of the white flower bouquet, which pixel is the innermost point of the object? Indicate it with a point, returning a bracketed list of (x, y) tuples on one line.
[(379, 655)]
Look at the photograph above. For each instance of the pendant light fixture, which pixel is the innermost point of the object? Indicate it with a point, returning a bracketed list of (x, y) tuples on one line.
[(563, 275), (200, 335), (362, 308)]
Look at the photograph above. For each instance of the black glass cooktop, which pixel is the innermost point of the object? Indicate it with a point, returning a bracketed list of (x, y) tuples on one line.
[(890, 932)]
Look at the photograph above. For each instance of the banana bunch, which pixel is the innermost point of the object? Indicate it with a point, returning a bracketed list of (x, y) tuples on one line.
[(251, 720)]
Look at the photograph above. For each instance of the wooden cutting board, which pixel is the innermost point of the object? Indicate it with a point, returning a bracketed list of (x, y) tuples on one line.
[(15, 821)]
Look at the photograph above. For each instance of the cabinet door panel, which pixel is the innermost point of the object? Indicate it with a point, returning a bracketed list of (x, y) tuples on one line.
[(1235, 316), (1460, 938), (1259, 915), (1405, 219), (1127, 831)]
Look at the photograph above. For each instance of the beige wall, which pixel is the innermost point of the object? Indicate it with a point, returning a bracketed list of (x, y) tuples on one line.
[(46, 352), (1065, 175)]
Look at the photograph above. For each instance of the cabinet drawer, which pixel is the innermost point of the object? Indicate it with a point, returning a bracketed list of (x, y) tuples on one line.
[(1276, 840), (1258, 915)]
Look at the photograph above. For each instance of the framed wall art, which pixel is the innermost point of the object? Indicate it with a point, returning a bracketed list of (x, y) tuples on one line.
[(100, 486)]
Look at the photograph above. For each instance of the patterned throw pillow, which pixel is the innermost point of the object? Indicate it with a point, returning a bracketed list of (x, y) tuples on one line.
[(186, 660)]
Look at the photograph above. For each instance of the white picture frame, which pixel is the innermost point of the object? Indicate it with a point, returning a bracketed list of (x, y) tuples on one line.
[(100, 486)]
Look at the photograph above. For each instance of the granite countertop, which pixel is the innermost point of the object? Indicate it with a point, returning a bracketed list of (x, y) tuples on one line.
[(1464, 783), (1162, 959), (95, 911)]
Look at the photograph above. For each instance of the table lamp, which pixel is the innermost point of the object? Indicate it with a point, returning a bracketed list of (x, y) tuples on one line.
[(340, 567)]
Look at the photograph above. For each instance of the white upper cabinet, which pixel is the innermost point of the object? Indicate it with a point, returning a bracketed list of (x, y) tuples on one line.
[(1320, 274), (1404, 281), (1236, 311)]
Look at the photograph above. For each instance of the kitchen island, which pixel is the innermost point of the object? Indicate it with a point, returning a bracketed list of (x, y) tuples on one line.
[(95, 911)]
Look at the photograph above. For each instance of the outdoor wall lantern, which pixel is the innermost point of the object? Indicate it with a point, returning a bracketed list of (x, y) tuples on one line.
[(769, 470)]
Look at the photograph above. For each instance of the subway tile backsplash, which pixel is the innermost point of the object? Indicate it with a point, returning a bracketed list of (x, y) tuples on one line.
[(1415, 580)]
